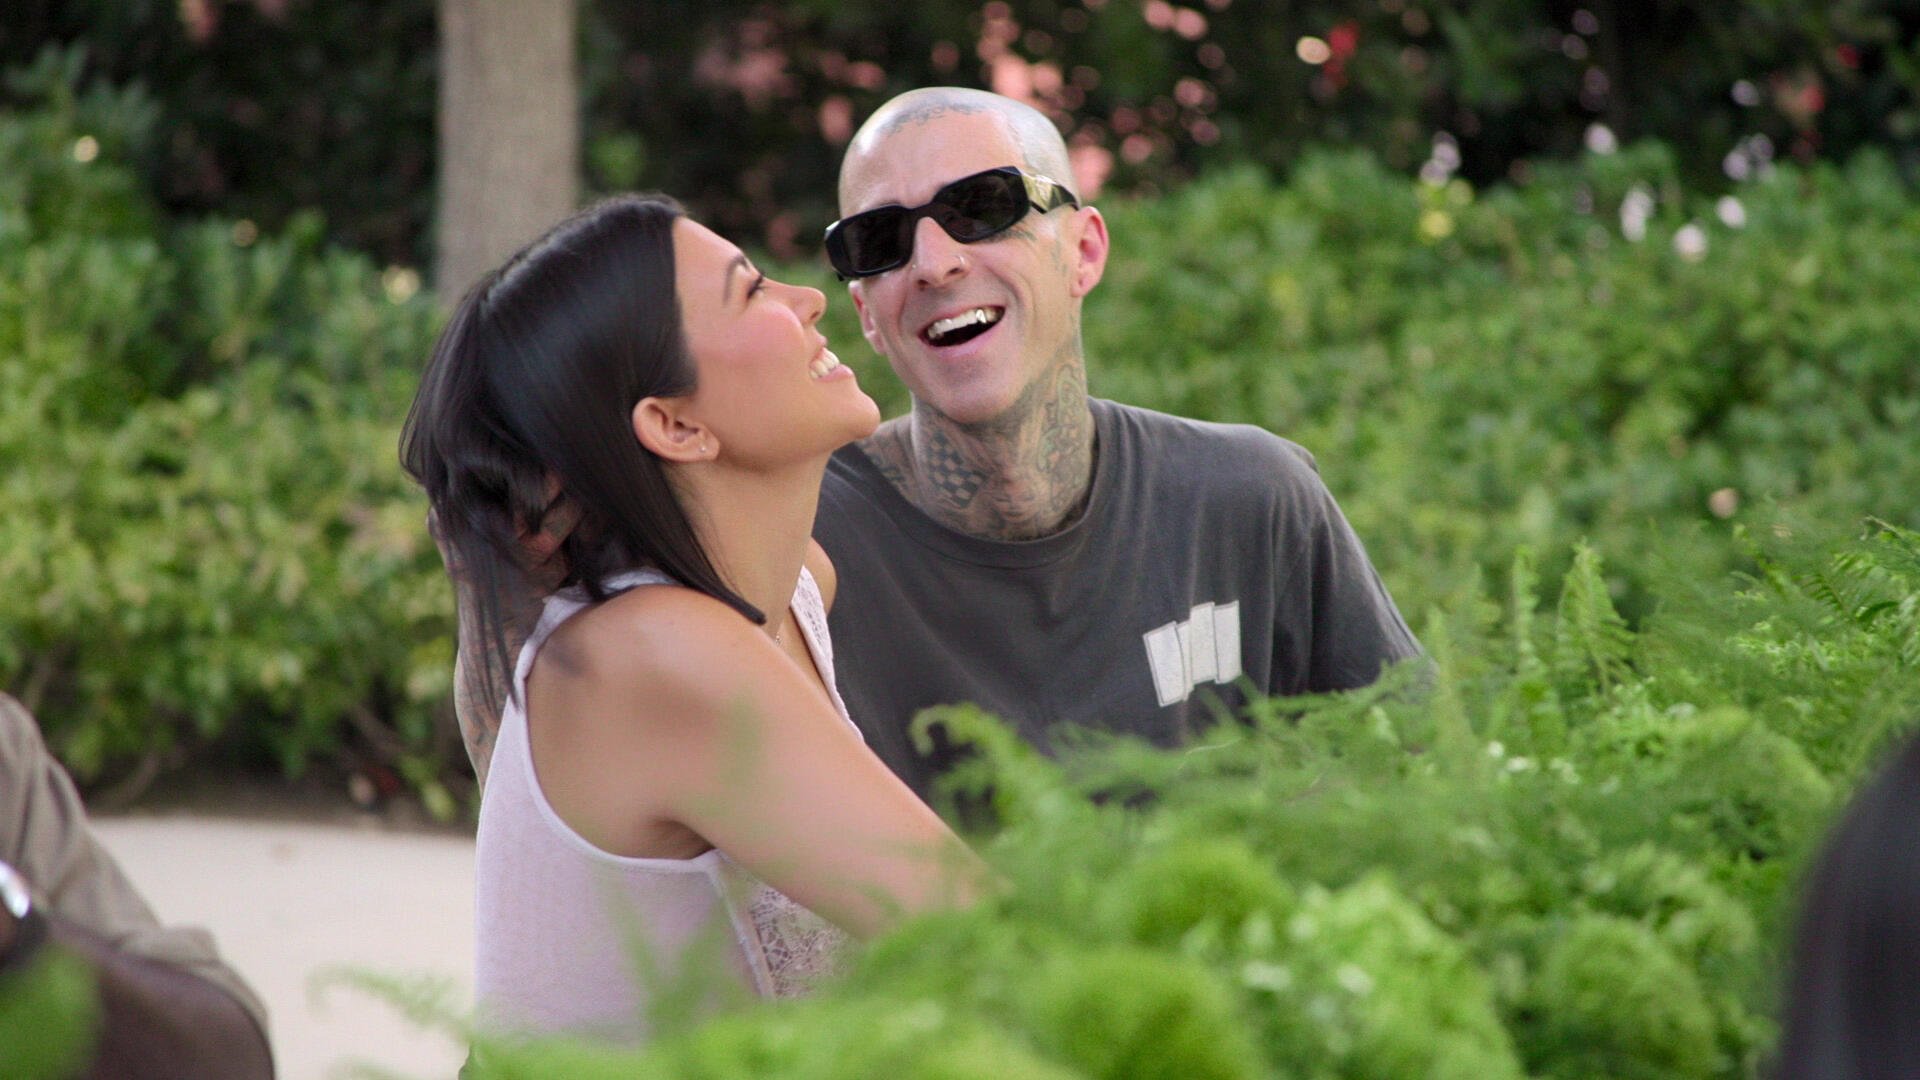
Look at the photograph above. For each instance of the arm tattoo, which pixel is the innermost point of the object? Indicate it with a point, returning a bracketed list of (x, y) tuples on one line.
[(480, 682), (478, 723)]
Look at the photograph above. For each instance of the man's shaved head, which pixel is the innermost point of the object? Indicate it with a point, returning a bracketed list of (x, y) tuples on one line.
[(1029, 277), (1041, 148)]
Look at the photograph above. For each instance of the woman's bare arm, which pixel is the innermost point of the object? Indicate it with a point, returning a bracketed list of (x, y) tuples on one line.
[(664, 706)]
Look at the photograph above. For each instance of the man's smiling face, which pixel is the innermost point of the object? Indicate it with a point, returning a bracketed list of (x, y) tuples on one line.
[(969, 328)]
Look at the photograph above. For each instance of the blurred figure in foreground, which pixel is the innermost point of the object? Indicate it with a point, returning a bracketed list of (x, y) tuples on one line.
[(1853, 994), (168, 1006)]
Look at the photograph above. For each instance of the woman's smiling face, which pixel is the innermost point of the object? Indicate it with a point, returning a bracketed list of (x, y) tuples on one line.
[(768, 385)]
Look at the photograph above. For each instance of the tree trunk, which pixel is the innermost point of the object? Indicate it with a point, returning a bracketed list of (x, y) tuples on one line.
[(509, 132)]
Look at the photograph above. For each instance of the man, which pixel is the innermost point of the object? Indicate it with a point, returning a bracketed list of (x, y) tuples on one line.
[(1058, 559), (168, 1006), (1012, 542)]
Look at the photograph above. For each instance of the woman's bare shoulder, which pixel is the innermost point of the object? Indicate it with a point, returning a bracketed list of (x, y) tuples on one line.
[(658, 643)]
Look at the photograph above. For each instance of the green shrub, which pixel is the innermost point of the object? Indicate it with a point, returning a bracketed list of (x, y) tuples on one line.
[(872, 1039), (1362, 984), (1124, 1012), (211, 540), (1218, 884), (1601, 895), (1613, 1001)]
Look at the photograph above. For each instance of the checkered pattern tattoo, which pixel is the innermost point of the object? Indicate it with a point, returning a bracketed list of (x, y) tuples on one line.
[(949, 473)]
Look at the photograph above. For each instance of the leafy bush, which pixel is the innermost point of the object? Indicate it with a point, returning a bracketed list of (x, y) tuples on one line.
[(1396, 895), (210, 538), (1621, 1004)]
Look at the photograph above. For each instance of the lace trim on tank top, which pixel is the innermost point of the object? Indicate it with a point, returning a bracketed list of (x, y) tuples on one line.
[(800, 949), (810, 614)]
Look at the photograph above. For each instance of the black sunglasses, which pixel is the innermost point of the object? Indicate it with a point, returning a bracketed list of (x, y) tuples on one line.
[(970, 209)]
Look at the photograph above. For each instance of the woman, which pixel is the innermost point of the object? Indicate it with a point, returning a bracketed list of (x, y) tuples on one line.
[(673, 762)]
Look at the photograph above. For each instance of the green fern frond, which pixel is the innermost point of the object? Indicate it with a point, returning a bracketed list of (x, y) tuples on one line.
[(1592, 644)]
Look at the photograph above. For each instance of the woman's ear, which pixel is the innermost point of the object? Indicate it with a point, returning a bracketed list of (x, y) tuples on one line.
[(663, 426)]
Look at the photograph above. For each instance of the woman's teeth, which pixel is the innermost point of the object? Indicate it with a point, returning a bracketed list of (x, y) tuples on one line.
[(823, 363)]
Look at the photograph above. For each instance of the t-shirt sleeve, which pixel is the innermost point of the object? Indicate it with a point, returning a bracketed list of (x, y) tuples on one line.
[(1336, 626), (44, 834)]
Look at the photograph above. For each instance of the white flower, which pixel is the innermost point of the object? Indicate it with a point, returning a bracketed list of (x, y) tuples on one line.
[(1731, 213), (1690, 242), (1443, 162), (1635, 209), (1600, 139)]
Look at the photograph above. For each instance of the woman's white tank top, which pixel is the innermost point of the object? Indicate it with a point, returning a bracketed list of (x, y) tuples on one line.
[(571, 938)]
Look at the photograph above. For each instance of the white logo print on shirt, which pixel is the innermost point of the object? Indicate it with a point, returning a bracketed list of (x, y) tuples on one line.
[(1204, 648)]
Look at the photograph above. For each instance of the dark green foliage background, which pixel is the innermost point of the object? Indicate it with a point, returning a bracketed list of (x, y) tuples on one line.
[(269, 107), (325, 107)]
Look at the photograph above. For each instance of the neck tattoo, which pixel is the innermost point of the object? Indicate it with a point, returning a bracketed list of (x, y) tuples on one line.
[(1025, 475)]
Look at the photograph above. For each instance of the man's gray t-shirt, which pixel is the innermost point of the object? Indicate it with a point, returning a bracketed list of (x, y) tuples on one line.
[(1209, 557)]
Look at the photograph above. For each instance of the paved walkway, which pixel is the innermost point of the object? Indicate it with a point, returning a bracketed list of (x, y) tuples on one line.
[(288, 901)]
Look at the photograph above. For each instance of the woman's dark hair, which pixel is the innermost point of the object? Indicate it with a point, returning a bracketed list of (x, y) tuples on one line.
[(1853, 994), (526, 406)]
